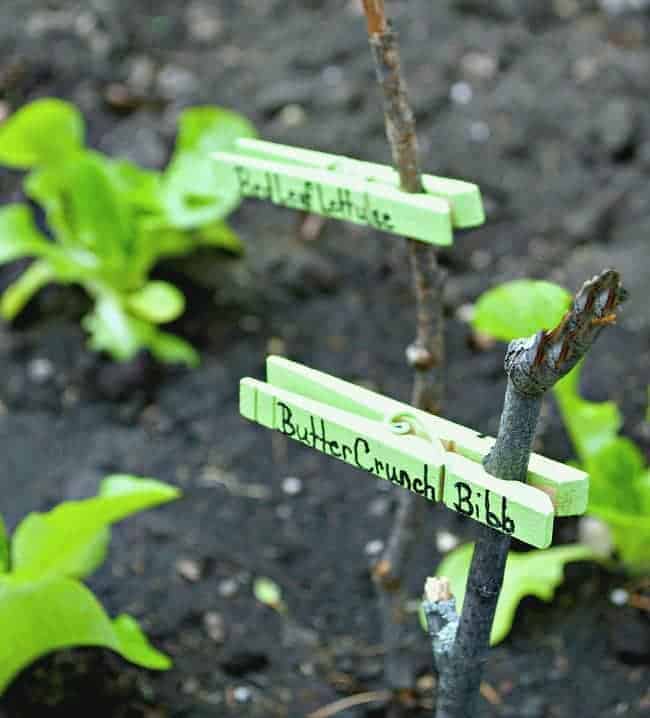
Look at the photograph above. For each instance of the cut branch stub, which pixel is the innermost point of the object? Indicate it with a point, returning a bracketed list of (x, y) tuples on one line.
[(376, 16), (535, 364)]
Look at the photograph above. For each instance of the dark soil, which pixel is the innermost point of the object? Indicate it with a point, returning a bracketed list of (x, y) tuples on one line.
[(557, 133)]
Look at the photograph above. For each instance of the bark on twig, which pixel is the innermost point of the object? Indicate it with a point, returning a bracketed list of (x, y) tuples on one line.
[(425, 355), (533, 366)]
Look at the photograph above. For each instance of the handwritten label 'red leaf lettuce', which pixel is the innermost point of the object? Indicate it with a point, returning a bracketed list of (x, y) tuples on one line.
[(341, 196)]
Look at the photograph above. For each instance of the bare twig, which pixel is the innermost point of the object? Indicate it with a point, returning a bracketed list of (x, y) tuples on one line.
[(533, 366), (350, 702), (425, 355)]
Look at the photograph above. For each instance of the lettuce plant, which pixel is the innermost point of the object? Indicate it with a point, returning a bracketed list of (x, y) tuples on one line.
[(44, 606), (534, 573), (110, 221)]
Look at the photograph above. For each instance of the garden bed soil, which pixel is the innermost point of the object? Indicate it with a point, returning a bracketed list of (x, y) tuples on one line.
[(545, 106)]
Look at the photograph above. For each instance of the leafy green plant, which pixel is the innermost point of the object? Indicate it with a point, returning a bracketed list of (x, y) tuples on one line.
[(44, 606), (535, 573), (111, 221), (619, 475)]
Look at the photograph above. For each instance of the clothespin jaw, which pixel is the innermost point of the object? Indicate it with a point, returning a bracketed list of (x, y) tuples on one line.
[(360, 192), (420, 452)]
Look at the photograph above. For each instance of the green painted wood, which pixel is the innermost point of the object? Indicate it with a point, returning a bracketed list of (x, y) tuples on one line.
[(464, 198), (511, 507), (340, 196), (399, 450), (408, 461), (567, 487)]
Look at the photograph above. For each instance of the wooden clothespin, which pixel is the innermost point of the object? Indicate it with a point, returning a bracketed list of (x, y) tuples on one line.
[(423, 453), (343, 188)]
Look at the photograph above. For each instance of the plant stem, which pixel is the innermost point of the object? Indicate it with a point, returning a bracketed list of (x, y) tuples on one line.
[(533, 366), (425, 355)]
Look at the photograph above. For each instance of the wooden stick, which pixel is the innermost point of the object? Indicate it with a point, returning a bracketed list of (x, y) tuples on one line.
[(425, 355), (350, 702), (533, 366)]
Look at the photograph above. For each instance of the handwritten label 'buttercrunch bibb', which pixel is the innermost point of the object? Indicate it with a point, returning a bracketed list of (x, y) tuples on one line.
[(409, 461)]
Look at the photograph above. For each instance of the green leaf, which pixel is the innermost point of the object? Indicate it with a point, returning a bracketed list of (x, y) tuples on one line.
[(4, 547), (591, 425), (643, 487), (19, 236), (141, 187), (112, 330), (37, 617), (101, 215), (195, 192), (630, 534), (615, 471), (220, 235), (172, 349), (157, 302), (68, 540), (536, 573), (44, 132), (122, 335), (17, 294), (520, 308), (267, 592), (211, 129)]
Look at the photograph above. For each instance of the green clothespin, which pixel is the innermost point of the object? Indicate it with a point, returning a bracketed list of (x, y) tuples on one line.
[(423, 453), (343, 188)]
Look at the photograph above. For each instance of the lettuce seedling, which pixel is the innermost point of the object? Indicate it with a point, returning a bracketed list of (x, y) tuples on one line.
[(534, 573), (110, 221), (44, 606), (619, 492)]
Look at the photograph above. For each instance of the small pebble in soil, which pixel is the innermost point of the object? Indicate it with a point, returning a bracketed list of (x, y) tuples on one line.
[(40, 370), (446, 541), (374, 548), (242, 694), (460, 93), (227, 588), (189, 569), (479, 65), (190, 685), (292, 116), (214, 626), (465, 313), (291, 486), (619, 597), (479, 131)]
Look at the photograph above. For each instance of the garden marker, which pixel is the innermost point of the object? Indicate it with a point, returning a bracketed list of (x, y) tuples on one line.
[(423, 453), (361, 192)]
